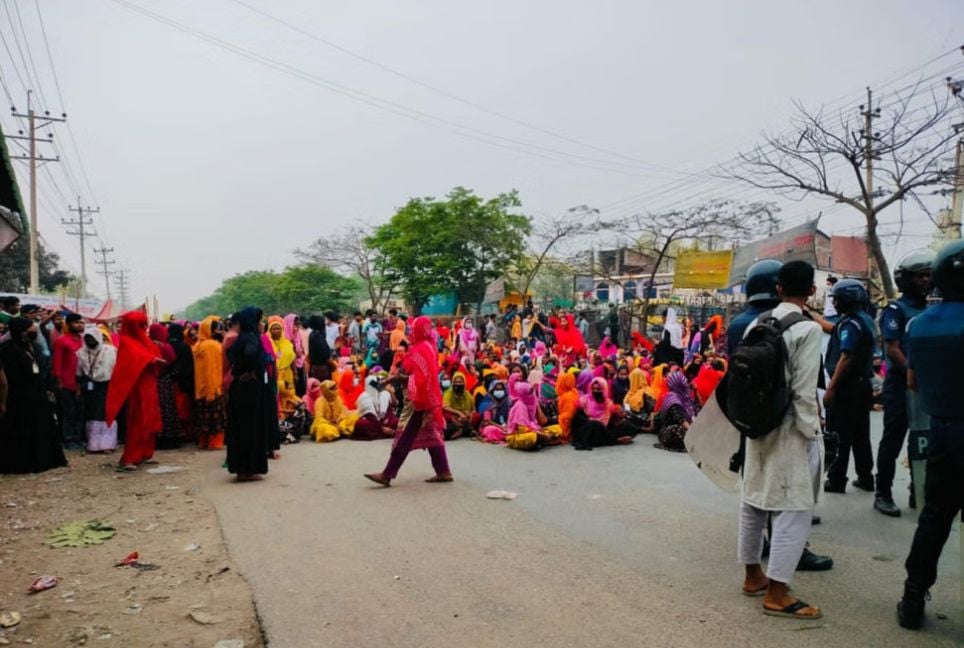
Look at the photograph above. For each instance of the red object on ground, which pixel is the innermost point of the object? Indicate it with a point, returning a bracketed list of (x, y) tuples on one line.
[(43, 583), (129, 560)]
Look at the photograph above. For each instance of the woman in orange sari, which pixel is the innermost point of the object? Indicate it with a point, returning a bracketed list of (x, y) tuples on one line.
[(568, 400), (210, 413)]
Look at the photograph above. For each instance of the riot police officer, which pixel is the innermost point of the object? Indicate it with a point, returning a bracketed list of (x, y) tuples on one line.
[(935, 353), (850, 356), (913, 277), (760, 286)]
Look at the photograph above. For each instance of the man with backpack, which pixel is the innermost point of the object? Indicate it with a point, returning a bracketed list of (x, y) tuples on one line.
[(772, 399), (850, 357), (913, 278)]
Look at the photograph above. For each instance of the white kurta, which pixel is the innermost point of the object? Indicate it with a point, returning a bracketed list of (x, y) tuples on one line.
[(776, 473)]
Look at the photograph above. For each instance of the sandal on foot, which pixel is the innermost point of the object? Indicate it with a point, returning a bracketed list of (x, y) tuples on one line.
[(439, 479), (757, 592), (379, 479), (129, 468), (793, 610)]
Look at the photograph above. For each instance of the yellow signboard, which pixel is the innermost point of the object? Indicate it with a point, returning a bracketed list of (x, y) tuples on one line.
[(703, 269)]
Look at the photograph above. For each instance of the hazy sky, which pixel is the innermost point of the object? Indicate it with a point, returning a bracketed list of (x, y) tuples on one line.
[(206, 164)]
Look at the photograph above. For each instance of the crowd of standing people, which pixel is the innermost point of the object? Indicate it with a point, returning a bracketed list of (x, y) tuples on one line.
[(526, 380)]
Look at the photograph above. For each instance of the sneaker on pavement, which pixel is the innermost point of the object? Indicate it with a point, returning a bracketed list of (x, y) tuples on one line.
[(885, 504)]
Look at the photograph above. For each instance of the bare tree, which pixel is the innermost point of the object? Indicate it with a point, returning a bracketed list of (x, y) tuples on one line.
[(714, 223), (345, 251), (547, 234), (901, 153)]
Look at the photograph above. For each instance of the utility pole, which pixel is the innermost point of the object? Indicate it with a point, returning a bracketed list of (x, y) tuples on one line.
[(953, 230), (105, 267), (867, 133), (82, 222), (34, 122), (123, 287)]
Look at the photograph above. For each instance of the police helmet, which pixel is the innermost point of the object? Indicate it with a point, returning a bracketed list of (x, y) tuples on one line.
[(911, 264), (947, 273), (760, 283), (849, 295)]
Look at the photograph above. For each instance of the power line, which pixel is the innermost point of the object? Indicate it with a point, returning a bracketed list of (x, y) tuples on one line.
[(469, 132), (447, 93), (63, 104)]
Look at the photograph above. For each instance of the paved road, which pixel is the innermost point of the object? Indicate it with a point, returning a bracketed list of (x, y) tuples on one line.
[(623, 546)]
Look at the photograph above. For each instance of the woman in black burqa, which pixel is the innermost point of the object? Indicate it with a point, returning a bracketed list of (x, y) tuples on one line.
[(29, 435), (252, 414)]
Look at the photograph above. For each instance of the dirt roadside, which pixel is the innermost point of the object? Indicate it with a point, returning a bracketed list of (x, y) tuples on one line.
[(194, 598)]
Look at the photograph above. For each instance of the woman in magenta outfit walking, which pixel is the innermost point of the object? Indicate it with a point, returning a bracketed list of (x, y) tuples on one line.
[(421, 424)]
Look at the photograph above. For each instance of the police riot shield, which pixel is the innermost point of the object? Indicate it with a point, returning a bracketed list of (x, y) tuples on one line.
[(919, 424)]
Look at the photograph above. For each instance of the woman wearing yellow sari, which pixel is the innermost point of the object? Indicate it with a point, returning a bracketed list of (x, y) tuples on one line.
[(330, 413), (284, 352)]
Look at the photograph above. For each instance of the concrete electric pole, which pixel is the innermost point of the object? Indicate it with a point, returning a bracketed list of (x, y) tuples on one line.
[(105, 267), (83, 231), (123, 288), (34, 123)]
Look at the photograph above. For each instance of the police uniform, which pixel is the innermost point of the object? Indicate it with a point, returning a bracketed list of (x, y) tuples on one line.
[(893, 327), (849, 413), (935, 343), (739, 323)]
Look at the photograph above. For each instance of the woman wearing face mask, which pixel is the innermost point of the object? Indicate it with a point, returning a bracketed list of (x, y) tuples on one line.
[(468, 340), (284, 351), (598, 422), (29, 438), (458, 407), (95, 364), (621, 385), (495, 413), (525, 429)]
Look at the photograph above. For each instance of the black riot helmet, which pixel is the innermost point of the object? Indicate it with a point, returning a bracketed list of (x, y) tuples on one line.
[(910, 265), (947, 273), (761, 281), (849, 295)]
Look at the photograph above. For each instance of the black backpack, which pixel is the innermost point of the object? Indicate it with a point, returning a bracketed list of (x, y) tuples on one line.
[(758, 395)]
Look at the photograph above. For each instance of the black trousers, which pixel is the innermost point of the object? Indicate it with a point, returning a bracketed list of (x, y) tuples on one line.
[(71, 417), (849, 416), (943, 499), (894, 399)]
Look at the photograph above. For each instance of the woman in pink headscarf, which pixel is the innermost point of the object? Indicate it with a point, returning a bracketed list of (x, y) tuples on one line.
[(468, 340), (292, 331), (422, 423), (598, 422)]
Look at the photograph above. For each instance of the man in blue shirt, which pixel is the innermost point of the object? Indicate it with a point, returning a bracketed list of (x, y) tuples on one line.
[(935, 354), (913, 278), (849, 394)]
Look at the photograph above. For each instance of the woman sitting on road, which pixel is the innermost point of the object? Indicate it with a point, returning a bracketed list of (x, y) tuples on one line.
[(458, 407), (330, 415), (676, 412), (598, 421)]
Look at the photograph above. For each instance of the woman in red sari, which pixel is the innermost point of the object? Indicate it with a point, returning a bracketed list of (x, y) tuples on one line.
[(421, 424), (134, 384)]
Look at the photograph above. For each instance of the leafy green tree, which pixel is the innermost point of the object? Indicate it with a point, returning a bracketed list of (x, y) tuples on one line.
[(15, 268), (455, 245), (298, 289)]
